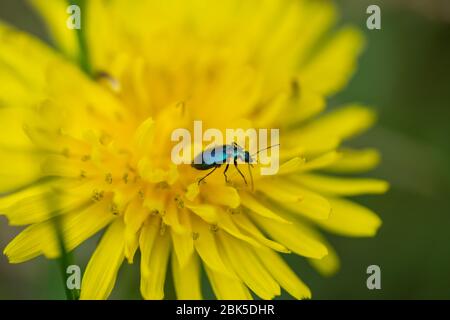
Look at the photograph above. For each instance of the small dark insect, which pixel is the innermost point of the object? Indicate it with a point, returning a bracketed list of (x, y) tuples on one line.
[(215, 157)]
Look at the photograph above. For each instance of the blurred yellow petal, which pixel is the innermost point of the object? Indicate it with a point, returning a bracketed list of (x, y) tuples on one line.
[(328, 265), (41, 238), (143, 138), (273, 192), (12, 135), (342, 186), (355, 161), (18, 169), (79, 226), (297, 165), (343, 123), (350, 219), (283, 274), (247, 266), (27, 245), (11, 198), (101, 271), (55, 15), (42, 206), (294, 236), (317, 18), (309, 104), (308, 143), (18, 55), (332, 67)]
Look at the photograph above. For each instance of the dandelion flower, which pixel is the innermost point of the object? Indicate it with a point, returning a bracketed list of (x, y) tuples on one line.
[(94, 150)]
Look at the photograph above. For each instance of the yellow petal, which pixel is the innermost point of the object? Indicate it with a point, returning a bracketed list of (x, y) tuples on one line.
[(187, 279), (98, 16), (172, 218), (204, 211), (17, 169), (10, 199), (227, 288), (19, 52), (294, 236), (143, 138), (311, 205), (183, 245), (192, 191), (291, 166), (342, 186), (101, 271), (317, 18), (328, 265), (308, 104), (343, 123), (12, 135), (332, 67), (131, 245), (350, 219), (300, 165), (273, 192), (27, 245), (251, 203), (206, 247), (246, 225), (247, 266), (135, 215), (223, 196), (55, 15), (41, 238), (41, 207), (271, 112), (147, 239), (283, 274), (355, 161), (226, 223), (310, 143), (154, 262), (78, 226)]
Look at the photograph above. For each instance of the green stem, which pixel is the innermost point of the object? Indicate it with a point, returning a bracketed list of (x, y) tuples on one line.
[(83, 53), (65, 259)]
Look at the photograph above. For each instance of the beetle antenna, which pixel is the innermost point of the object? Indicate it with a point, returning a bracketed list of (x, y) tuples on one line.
[(275, 145)]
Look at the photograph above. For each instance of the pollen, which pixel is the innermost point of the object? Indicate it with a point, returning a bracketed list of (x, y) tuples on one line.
[(109, 178)]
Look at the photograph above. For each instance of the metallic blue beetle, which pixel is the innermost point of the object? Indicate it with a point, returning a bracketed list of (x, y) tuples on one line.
[(215, 157)]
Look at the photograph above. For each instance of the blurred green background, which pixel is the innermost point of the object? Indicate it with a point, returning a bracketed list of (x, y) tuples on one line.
[(404, 74)]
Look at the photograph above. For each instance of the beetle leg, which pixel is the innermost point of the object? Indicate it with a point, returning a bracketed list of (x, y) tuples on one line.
[(225, 172), (237, 168), (199, 181)]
